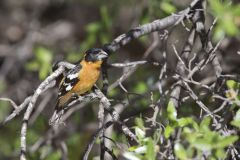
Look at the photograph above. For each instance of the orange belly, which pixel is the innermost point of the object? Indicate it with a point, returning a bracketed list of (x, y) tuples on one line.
[(88, 76), (87, 80)]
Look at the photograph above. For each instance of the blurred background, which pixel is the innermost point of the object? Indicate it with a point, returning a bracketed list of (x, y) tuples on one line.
[(34, 34)]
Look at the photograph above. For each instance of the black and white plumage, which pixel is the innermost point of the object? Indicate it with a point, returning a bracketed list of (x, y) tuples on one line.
[(78, 81), (72, 77)]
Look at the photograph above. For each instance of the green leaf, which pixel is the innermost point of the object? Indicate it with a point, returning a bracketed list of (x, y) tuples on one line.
[(221, 154), (132, 149), (54, 156), (140, 88), (44, 71), (32, 66), (228, 15), (182, 122), (226, 141), (93, 27), (231, 84), (43, 55), (180, 151), (190, 134), (202, 144), (105, 16), (139, 122), (171, 111), (168, 131), (236, 10), (139, 133), (216, 6), (236, 123), (42, 62), (204, 125), (185, 121), (167, 7), (229, 26), (236, 120), (151, 154)]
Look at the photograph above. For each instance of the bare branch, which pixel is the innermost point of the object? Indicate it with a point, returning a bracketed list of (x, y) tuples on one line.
[(31, 106), (17, 110)]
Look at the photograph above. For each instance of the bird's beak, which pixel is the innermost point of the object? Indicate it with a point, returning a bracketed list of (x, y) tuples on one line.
[(102, 55)]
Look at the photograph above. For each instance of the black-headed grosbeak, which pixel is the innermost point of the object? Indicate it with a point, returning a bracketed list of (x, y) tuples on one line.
[(79, 80)]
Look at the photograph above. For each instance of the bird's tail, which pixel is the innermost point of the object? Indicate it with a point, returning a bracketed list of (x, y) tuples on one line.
[(60, 108), (56, 118)]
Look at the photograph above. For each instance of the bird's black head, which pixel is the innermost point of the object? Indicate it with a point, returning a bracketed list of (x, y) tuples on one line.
[(95, 54)]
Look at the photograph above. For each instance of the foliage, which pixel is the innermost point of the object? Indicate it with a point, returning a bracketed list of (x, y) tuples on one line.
[(98, 30), (233, 95), (42, 62), (147, 148), (228, 18), (195, 139)]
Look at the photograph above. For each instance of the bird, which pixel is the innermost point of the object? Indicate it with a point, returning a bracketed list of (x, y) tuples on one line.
[(78, 81)]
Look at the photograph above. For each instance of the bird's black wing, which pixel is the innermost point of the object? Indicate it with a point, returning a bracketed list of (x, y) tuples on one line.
[(71, 78)]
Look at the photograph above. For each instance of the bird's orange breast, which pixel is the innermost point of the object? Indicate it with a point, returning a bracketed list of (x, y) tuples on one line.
[(88, 76)]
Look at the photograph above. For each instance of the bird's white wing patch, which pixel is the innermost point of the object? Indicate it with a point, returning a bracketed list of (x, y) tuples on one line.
[(69, 87), (72, 76)]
